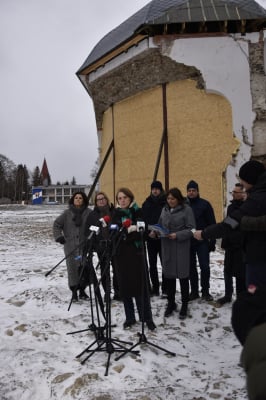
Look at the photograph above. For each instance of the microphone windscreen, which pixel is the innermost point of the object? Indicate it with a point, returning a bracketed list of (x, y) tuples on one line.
[(107, 219), (126, 223)]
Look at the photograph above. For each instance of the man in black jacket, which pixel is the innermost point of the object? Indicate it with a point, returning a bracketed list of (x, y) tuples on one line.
[(204, 216), (152, 208), (252, 175), (233, 257)]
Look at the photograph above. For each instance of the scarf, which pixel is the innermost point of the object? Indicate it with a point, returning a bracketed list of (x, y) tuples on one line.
[(130, 213), (77, 214)]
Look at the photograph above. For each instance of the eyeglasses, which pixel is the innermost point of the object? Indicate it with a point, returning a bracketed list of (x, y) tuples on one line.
[(237, 192), (101, 198)]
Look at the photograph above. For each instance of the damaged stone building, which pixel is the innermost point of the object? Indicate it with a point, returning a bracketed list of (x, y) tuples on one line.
[(179, 93)]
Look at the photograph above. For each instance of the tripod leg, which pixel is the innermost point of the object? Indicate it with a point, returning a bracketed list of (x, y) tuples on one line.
[(130, 350), (161, 348), (87, 348)]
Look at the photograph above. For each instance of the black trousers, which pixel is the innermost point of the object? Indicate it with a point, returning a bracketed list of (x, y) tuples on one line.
[(171, 289), (105, 269), (154, 250)]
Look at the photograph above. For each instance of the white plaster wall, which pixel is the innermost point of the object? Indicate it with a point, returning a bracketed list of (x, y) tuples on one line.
[(224, 65)]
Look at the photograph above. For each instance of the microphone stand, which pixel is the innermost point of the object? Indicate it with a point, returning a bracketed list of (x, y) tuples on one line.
[(71, 252), (63, 259), (87, 266), (144, 293), (105, 342)]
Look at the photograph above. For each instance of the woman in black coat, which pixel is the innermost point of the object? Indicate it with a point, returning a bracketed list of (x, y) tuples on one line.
[(130, 261), (101, 217)]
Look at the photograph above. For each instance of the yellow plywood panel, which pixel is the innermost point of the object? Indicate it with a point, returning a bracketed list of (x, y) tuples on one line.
[(200, 132), (201, 141), (138, 127)]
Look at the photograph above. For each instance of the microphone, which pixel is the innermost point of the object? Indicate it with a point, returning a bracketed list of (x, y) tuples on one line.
[(114, 229), (126, 223), (94, 230), (105, 221), (140, 226)]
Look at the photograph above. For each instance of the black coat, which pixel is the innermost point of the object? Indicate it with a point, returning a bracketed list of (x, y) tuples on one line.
[(233, 246), (204, 216), (129, 259), (249, 325), (152, 208)]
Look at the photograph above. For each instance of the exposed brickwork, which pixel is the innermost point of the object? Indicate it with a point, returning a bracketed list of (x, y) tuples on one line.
[(256, 54), (258, 92), (140, 73)]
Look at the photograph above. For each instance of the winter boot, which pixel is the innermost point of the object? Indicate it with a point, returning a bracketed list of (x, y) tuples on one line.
[(83, 295), (223, 300), (183, 311), (171, 307), (74, 298)]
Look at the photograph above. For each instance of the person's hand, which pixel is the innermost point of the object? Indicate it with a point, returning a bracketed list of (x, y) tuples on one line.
[(152, 234), (61, 240), (197, 235), (131, 228), (171, 236)]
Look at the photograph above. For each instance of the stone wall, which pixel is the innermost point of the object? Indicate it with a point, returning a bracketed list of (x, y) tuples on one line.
[(258, 91), (142, 72)]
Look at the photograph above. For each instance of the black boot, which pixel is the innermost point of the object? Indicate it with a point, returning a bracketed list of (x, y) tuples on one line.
[(74, 291), (184, 284), (171, 307), (183, 311), (151, 325), (83, 295), (223, 300)]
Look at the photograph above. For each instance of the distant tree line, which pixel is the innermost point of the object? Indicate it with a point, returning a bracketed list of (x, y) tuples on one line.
[(16, 181)]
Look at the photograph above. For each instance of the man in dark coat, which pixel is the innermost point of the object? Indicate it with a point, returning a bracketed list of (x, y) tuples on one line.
[(253, 177), (204, 216), (152, 208), (234, 257)]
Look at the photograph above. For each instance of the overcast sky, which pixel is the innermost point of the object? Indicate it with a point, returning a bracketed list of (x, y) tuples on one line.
[(44, 109)]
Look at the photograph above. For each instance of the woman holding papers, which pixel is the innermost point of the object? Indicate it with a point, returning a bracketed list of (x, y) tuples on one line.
[(177, 218)]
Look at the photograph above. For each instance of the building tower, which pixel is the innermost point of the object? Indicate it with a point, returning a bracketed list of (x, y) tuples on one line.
[(45, 176), (179, 93)]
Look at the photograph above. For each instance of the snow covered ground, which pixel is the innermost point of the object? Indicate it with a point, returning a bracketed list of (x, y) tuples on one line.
[(39, 359)]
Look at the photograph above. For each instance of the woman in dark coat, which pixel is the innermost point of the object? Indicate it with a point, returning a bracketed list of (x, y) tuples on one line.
[(130, 261), (178, 218), (69, 230), (101, 216)]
